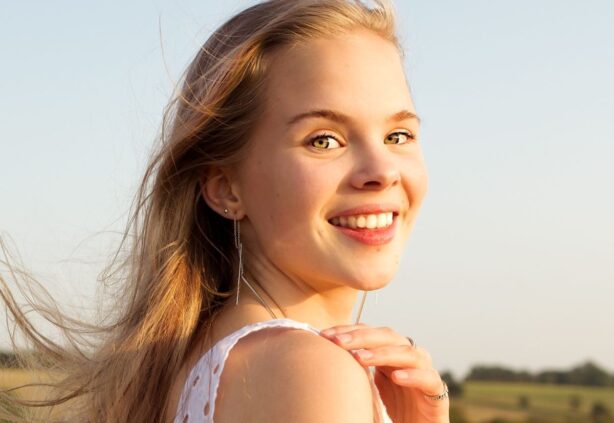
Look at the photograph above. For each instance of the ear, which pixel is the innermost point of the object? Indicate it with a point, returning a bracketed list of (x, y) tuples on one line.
[(220, 192)]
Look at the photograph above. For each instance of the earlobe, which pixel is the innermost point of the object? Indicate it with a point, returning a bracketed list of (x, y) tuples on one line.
[(216, 187)]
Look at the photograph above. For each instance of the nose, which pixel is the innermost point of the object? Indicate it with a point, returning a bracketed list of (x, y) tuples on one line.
[(376, 168)]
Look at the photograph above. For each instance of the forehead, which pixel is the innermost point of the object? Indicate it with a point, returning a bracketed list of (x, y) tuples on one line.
[(358, 72)]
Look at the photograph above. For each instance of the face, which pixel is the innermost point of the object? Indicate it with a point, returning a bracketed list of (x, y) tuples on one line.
[(336, 147)]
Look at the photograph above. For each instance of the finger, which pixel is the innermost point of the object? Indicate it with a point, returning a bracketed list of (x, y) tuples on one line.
[(342, 328), (394, 356), (368, 338), (426, 380)]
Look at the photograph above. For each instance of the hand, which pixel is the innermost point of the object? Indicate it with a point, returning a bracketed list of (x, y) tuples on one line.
[(403, 374)]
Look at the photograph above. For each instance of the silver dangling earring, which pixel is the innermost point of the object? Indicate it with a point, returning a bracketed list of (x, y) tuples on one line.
[(362, 304), (239, 247), (241, 277)]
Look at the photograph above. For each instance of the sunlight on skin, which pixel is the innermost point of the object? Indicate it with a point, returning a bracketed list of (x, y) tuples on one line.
[(304, 170)]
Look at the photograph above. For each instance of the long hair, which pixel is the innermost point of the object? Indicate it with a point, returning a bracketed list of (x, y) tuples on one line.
[(176, 263)]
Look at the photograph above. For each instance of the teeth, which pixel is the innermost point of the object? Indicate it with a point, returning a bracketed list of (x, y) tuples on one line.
[(382, 220), (361, 221), (352, 222), (372, 221), (368, 221)]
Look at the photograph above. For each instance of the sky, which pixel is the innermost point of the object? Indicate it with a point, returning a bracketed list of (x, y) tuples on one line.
[(511, 261)]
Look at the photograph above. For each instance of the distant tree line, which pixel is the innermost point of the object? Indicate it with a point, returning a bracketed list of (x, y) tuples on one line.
[(8, 359), (586, 374)]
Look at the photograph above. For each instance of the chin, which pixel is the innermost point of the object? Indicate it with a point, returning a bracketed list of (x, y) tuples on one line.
[(375, 286), (372, 283)]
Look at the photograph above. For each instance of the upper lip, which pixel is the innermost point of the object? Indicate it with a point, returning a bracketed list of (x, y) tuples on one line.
[(367, 209)]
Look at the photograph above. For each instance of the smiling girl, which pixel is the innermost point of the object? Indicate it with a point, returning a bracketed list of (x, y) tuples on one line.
[(288, 179)]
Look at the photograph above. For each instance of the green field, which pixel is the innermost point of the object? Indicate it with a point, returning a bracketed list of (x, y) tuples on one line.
[(524, 402)]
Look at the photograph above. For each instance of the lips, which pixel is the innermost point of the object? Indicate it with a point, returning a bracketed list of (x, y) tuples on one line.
[(372, 237), (369, 224)]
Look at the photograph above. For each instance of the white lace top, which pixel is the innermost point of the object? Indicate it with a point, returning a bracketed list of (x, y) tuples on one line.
[(197, 401)]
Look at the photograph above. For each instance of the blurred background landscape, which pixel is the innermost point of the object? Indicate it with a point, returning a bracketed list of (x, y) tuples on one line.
[(508, 279), (487, 394)]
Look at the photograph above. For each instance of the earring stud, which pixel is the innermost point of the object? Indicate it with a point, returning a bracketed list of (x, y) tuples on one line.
[(226, 211)]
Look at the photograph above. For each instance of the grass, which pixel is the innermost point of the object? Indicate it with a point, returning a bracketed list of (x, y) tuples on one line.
[(12, 378), (485, 401)]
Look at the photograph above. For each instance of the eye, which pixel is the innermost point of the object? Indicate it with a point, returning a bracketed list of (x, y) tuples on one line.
[(324, 142), (399, 138)]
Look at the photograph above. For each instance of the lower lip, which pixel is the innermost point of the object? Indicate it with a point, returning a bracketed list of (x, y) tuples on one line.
[(379, 236)]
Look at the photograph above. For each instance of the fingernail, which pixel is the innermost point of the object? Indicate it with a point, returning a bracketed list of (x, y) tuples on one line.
[(327, 332), (344, 337), (400, 374), (364, 354)]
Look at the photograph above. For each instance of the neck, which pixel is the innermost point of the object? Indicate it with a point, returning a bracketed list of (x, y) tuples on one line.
[(295, 298)]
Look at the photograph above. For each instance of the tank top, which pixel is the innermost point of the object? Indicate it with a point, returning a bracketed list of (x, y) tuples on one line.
[(197, 401)]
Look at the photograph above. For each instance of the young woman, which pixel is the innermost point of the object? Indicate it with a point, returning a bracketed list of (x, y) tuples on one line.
[(288, 179)]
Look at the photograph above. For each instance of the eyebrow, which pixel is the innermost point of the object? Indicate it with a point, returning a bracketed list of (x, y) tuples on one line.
[(341, 118)]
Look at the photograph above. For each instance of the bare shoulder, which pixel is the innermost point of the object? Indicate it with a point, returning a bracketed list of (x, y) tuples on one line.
[(284, 374)]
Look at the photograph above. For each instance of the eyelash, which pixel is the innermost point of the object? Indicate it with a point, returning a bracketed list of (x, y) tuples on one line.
[(410, 136)]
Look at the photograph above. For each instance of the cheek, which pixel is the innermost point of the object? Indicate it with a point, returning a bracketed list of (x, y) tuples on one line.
[(282, 196), (416, 182)]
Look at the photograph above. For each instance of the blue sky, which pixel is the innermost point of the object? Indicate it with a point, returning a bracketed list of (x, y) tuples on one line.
[(512, 258)]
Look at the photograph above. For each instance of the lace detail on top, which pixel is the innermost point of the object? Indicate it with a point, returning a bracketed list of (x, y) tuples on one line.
[(197, 402)]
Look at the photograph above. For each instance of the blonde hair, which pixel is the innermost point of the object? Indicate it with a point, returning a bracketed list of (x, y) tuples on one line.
[(180, 263)]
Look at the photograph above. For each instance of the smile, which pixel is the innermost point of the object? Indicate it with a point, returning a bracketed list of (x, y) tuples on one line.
[(364, 221)]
